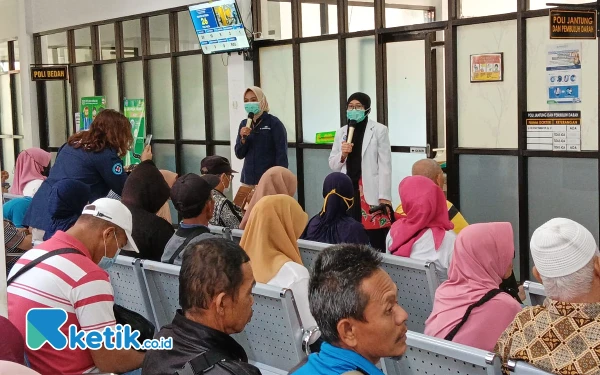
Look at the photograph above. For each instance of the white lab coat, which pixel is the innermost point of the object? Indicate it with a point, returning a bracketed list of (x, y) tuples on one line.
[(376, 161)]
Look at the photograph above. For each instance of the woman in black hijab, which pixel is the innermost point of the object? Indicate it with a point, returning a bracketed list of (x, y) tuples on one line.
[(145, 192), (362, 150)]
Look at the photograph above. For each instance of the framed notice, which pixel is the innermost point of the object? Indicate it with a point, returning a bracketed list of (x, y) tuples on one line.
[(487, 67)]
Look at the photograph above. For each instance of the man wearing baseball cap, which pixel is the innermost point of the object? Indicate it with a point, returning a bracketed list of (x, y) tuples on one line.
[(226, 213), (68, 272), (192, 197), (563, 335)]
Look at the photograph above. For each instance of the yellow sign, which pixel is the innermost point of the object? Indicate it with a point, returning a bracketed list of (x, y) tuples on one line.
[(49, 73), (487, 67)]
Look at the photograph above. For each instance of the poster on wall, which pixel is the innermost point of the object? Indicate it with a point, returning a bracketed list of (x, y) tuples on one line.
[(563, 69), (487, 67), (135, 111), (88, 109), (554, 130)]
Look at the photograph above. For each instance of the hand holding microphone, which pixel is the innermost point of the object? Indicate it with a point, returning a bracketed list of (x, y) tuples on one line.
[(347, 145), (245, 131)]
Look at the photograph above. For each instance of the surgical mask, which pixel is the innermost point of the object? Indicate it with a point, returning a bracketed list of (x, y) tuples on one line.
[(349, 201), (228, 188), (252, 107), (356, 114), (106, 262)]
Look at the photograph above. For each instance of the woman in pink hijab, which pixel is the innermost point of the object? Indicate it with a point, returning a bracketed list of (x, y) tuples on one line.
[(31, 169), (425, 232), (483, 256)]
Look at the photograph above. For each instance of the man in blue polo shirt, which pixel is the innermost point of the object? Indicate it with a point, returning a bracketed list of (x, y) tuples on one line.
[(355, 304)]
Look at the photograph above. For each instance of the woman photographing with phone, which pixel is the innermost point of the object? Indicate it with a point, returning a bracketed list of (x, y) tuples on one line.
[(91, 156), (261, 140)]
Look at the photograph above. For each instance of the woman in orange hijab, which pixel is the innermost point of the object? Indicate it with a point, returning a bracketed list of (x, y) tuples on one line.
[(271, 241)]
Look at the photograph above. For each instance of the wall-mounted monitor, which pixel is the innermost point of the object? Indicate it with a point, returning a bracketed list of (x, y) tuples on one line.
[(219, 27)]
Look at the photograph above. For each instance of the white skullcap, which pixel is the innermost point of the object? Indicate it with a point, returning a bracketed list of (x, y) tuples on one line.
[(561, 247)]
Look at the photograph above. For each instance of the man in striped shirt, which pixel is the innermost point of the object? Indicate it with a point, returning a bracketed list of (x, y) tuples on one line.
[(78, 283)]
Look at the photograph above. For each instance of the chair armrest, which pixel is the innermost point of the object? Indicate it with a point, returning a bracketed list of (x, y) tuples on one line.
[(306, 338)]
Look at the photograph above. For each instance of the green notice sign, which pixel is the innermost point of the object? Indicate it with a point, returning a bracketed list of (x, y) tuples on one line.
[(325, 138), (135, 111), (88, 109)]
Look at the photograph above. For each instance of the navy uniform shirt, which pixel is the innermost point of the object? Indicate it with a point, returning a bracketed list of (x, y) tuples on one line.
[(102, 171), (265, 147)]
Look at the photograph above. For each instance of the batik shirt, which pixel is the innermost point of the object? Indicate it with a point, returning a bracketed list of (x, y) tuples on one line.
[(226, 213), (558, 337)]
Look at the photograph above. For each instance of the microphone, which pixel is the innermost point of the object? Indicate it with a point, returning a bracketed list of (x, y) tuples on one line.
[(249, 123), (351, 127)]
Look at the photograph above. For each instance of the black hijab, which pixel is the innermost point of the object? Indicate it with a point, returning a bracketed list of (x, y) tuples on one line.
[(354, 162), (146, 188)]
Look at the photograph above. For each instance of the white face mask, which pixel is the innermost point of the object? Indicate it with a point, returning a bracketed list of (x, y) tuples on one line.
[(228, 188)]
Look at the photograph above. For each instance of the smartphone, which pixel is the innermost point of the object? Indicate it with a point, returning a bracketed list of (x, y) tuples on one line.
[(148, 140)]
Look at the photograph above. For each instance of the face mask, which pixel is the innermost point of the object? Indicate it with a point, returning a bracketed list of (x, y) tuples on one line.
[(228, 188), (106, 262), (349, 201), (252, 107), (356, 114)]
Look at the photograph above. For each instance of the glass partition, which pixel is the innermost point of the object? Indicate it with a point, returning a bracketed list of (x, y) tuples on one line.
[(192, 155), (188, 39), (360, 69), (84, 78), (220, 96), (57, 113), (280, 19), (318, 18), (164, 156), (5, 105), (161, 95), (83, 45), (54, 49), (407, 110), (132, 38), (477, 8), (160, 39), (316, 168), (191, 94), (277, 81), (107, 42), (108, 74), (320, 88), (361, 15), (133, 84), (489, 192)]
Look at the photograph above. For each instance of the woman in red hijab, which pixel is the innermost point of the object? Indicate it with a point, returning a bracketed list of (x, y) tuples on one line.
[(425, 232)]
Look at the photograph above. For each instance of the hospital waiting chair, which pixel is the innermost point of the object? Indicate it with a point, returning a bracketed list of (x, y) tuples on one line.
[(524, 368), (429, 355), (129, 288), (535, 293), (273, 339)]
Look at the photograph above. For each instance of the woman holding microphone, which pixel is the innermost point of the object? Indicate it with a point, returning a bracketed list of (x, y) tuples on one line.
[(362, 150), (261, 140)]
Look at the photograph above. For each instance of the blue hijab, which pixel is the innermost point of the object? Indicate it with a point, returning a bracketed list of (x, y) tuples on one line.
[(333, 225), (65, 203)]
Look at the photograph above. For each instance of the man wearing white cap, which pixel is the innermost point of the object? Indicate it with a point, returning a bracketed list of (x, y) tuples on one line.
[(563, 335), (68, 272)]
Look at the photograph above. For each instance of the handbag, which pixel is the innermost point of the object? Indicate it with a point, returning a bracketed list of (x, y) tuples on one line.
[(122, 314)]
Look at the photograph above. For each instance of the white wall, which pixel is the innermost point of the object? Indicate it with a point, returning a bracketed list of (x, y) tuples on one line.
[(9, 24), (55, 14)]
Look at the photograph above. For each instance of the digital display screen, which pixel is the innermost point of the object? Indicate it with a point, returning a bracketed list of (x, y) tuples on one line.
[(219, 26)]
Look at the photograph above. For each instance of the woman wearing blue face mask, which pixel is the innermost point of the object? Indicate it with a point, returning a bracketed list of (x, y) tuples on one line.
[(367, 159), (261, 140)]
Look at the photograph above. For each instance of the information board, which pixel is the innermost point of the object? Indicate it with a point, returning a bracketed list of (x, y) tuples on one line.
[(554, 131), (219, 26)]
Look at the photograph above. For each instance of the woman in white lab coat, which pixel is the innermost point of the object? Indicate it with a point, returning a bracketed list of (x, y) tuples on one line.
[(367, 160)]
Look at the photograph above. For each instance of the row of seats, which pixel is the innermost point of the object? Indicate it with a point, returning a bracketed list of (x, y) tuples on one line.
[(274, 337)]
